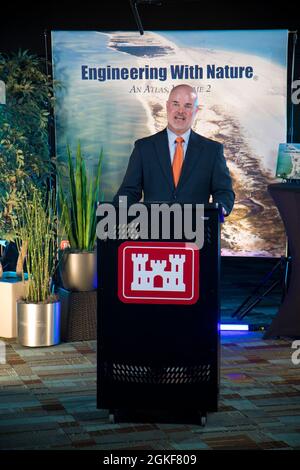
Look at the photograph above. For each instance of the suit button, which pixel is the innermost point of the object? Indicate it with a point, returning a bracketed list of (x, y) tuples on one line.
[(174, 196)]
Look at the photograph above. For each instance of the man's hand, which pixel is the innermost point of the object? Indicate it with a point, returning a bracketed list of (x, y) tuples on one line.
[(224, 212)]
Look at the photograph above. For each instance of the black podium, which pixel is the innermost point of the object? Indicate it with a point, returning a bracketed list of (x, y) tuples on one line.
[(162, 355), (287, 199)]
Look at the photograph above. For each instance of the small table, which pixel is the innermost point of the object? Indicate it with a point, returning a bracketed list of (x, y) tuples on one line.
[(12, 288), (287, 199)]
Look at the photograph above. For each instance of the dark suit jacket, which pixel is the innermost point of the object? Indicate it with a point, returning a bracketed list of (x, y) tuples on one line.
[(204, 173)]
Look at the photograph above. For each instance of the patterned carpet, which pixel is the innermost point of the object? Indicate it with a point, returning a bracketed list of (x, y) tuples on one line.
[(47, 401)]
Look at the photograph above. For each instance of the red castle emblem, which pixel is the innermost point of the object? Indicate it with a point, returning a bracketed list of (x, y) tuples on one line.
[(158, 272)]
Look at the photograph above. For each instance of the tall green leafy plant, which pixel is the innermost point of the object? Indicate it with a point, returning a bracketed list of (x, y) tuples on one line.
[(24, 130), (35, 227), (78, 197)]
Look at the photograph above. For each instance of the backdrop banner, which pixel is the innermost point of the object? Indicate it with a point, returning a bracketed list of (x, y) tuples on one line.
[(112, 89)]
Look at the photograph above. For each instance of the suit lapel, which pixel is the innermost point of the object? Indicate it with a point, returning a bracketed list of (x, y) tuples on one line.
[(191, 158), (163, 156)]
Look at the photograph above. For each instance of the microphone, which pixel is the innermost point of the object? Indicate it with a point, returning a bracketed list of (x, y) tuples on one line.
[(134, 4)]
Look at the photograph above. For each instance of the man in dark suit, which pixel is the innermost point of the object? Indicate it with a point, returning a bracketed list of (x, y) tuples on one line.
[(155, 172)]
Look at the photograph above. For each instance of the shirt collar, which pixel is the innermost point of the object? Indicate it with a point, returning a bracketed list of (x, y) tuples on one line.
[(172, 137)]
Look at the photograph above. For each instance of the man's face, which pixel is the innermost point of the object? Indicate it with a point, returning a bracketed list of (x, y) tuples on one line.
[(181, 110)]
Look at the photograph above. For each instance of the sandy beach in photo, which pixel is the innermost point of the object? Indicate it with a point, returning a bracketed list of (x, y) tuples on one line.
[(245, 116)]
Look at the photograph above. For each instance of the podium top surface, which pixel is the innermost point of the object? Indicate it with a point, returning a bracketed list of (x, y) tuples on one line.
[(207, 206)]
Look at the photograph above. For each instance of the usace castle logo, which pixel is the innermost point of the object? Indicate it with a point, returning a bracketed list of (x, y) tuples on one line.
[(158, 272), (144, 279)]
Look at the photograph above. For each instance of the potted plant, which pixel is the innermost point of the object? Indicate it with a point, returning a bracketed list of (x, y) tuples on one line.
[(78, 196), (25, 116), (38, 312)]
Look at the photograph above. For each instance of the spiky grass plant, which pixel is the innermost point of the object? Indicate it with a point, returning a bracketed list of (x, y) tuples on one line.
[(78, 199), (35, 228)]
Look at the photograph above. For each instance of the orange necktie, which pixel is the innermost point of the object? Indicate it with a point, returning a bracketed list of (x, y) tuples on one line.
[(177, 160)]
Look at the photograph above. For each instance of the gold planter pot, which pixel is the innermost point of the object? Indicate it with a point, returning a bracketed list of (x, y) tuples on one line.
[(78, 271), (38, 324)]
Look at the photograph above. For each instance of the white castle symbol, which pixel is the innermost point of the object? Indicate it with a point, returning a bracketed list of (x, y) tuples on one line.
[(171, 280)]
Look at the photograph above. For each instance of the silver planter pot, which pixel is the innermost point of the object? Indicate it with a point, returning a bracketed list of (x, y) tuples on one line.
[(78, 271), (38, 324)]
